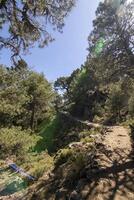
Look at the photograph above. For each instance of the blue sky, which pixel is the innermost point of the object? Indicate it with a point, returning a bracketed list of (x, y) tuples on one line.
[(68, 51)]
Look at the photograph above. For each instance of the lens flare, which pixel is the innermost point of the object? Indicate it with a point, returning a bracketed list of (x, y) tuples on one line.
[(120, 6)]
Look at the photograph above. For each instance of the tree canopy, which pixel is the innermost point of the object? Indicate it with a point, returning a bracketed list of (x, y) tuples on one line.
[(26, 97), (104, 83), (27, 22)]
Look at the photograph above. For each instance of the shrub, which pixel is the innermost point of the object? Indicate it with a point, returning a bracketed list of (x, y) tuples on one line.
[(87, 140), (117, 100), (62, 156), (92, 131), (73, 156), (16, 142), (38, 164)]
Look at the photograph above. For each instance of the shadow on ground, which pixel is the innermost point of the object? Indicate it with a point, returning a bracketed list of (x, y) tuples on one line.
[(111, 177), (114, 182)]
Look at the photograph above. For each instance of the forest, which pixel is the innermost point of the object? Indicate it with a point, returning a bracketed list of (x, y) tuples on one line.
[(75, 135)]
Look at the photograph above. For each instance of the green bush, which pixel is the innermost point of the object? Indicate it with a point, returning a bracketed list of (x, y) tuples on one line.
[(14, 141), (37, 164), (75, 163), (92, 131), (87, 140), (62, 156), (72, 156), (117, 100)]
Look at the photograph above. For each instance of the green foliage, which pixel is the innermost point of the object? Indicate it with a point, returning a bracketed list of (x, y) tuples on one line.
[(27, 102), (62, 156), (103, 87), (117, 100), (12, 94), (26, 97), (76, 154), (40, 107), (15, 141), (48, 134), (25, 26), (79, 160), (85, 136), (73, 162), (85, 133), (100, 44), (38, 163), (82, 81), (74, 158), (88, 133), (62, 83), (87, 140), (116, 31)]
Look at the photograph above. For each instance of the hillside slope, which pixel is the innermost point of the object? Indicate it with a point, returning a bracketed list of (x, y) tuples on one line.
[(110, 178)]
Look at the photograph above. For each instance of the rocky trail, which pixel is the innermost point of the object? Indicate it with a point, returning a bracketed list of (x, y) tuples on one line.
[(114, 178), (111, 177)]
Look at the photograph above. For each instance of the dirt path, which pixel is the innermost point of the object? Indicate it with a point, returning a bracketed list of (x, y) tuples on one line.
[(119, 138), (115, 178)]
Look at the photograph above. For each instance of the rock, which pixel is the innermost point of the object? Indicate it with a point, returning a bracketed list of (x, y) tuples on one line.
[(84, 194), (76, 144), (74, 196), (61, 194)]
